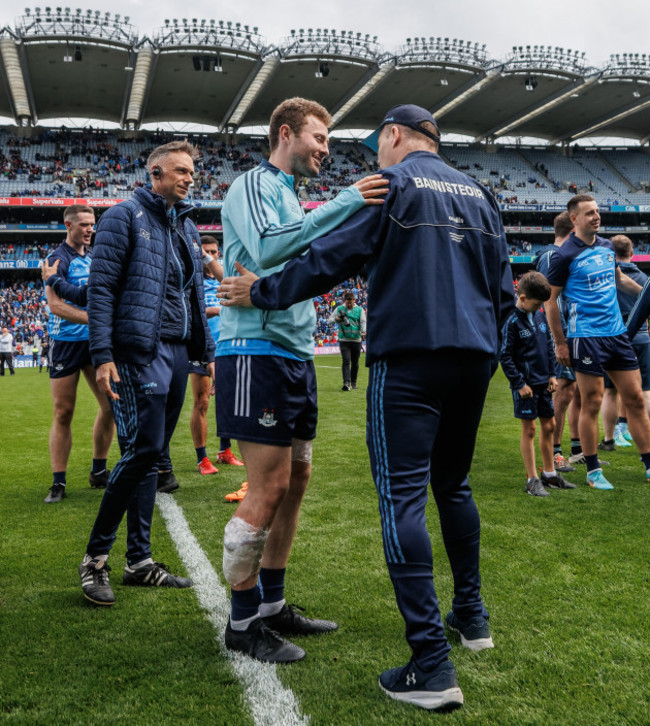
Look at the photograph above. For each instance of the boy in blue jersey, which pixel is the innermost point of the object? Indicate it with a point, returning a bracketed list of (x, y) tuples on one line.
[(585, 273), (69, 352), (528, 360), (199, 378), (439, 235), (266, 390)]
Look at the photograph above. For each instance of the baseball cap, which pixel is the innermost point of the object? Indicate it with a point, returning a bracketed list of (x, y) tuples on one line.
[(406, 114)]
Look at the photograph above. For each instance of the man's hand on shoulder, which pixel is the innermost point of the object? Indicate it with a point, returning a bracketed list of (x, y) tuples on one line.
[(373, 188), (236, 291)]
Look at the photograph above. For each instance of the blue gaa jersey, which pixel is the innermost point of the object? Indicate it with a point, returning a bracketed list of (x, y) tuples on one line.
[(210, 287), (74, 269), (542, 264), (588, 276)]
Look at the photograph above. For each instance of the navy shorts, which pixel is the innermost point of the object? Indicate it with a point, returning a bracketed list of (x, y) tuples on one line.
[(539, 406), (266, 399), (642, 351), (68, 357), (197, 367), (594, 356), (564, 372)]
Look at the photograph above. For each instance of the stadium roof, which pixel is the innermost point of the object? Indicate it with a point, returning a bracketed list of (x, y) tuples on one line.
[(66, 62)]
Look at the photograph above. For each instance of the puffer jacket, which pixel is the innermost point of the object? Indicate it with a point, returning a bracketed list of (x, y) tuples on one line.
[(128, 280)]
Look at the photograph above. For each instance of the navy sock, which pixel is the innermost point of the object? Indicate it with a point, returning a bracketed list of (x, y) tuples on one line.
[(200, 454), (245, 603), (272, 584), (645, 458), (576, 447), (59, 477), (557, 449), (592, 462), (622, 420), (99, 465), (224, 444)]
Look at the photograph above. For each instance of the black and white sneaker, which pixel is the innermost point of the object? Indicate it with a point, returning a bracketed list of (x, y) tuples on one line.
[(99, 480), (556, 482), (260, 642), (474, 632), (436, 690), (57, 493), (155, 574), (167, 482), (94, 581), (290, 622)]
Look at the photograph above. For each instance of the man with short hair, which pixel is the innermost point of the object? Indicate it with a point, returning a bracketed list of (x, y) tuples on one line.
[(567, 395), (146, 314), (6, 351), (615, 420), (585, 273), (438, 235), (65, 272), (266, 391), (351, 319)]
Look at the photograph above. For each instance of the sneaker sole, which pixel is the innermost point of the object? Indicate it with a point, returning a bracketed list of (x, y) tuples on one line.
[(448, 700), (475, 645), (600, 488), (99, 602), (168, 489)]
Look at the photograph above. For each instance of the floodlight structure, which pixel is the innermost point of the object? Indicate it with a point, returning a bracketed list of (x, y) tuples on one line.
[(201, 33), (447, 51), (325, 43), (628, 65), (53, 23), (546, 58), (15, 80)]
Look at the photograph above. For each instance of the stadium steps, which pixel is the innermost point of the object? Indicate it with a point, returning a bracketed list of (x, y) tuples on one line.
[(533, 169), (597, 176), (619, 175)]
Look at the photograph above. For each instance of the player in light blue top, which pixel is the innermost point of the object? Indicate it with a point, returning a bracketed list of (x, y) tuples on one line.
[(266, 383), (66, 274), (584, 271)]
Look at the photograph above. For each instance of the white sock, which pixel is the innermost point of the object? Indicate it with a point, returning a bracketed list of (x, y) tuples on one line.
[(593, 471), (243, 624), (549, 474), (88, 558), (142, 563), (271, 608)]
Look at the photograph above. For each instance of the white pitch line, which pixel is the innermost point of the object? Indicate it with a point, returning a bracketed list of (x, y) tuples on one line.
[(271, 704)]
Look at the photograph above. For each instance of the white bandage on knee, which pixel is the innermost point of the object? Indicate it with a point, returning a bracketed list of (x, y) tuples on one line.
[(301, 450), (243, 545)]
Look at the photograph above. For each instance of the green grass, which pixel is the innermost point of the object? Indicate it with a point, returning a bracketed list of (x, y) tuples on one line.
[(565, 579)]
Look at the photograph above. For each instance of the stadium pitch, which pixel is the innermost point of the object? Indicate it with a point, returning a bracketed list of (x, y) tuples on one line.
[(565, 579)]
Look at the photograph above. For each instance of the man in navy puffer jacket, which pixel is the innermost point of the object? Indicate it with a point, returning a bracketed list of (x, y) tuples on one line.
[(146, 316)]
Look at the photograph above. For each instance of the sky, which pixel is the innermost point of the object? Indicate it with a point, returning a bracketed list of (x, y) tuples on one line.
[(598, 27)]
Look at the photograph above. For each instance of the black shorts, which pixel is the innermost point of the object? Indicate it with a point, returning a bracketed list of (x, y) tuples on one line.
[(540, 405), (642, 352), (266, 399), (594, 356), (68, 357), (197, 367)]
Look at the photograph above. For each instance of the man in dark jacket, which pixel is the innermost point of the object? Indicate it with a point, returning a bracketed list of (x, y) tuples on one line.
[(146, 316), (438, 235)]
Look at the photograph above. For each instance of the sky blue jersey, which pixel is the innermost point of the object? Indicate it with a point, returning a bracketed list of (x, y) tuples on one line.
[(210, 287), (74, 269), (588, 276)]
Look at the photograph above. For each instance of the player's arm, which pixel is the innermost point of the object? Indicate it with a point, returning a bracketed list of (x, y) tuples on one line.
[(554, 317), (330, 260), (640, 312), (63, 309), (212, 312), (626, 284), (213, 266), (271, 242), (362, 321)]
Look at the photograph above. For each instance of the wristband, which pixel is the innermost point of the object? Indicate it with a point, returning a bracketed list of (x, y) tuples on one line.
[(207, 259)]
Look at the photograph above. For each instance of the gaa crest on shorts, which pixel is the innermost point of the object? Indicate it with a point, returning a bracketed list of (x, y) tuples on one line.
[(268, 419)]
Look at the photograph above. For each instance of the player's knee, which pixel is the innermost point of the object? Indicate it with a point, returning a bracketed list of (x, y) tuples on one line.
[(63, 414), (548, 425), (243, 547), (528, 428)]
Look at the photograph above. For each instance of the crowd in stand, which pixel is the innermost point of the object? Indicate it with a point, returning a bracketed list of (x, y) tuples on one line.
[(23, 309)]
